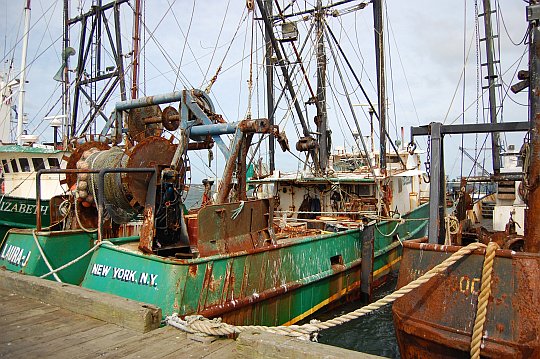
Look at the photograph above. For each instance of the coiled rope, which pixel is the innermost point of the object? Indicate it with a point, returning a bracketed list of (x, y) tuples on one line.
[(485, 292), (199, 324)]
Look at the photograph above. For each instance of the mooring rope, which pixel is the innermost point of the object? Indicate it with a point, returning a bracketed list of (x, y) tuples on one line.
[(44, 257), (96, 246), (200, 324), (483, 297)]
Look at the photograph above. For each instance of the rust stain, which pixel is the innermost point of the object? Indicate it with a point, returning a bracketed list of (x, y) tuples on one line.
[(147, 231), (214, 284), (193, 270)]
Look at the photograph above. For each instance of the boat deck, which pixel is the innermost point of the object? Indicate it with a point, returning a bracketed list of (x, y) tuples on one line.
[(31, 328)]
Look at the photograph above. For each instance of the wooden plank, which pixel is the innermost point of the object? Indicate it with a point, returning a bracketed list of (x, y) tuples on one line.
[(29, 326), (66, 324), (176, 343), (205, 350), (93, 347), (17, 305), (28, 315), (107, 307), (57, 347), (226, 351), (159, 336)]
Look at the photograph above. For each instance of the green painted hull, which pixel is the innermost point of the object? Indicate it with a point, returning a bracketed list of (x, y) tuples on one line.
[(19, 253), (279, 284), (18, 212), (275, 285)]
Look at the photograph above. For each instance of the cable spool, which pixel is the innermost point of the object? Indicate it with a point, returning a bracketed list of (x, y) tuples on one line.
[(117, 197), (78, 148), (151, 152)]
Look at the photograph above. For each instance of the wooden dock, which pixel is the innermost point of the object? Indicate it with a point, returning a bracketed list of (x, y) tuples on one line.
[(45, 319), (31, 328)]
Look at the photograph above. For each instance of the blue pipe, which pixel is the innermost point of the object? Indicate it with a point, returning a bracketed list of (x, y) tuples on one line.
[(217, 129)]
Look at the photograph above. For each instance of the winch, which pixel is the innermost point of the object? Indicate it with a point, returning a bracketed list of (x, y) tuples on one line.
[(158, 140)]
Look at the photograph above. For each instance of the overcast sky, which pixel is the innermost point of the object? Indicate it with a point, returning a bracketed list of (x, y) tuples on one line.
[(427, 46)]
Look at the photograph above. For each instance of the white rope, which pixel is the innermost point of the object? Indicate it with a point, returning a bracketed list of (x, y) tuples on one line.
[(44, 257), (76, 205), (237, 211), (76, 259)]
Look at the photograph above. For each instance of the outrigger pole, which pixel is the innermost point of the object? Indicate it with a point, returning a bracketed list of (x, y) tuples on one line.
[(437, 131)]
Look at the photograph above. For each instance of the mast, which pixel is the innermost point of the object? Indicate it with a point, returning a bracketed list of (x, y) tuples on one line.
[(65, 85), (491, 77), (532, 229), (321, 90), (22, 78), (136, 55), (270, 88), (379, 59)]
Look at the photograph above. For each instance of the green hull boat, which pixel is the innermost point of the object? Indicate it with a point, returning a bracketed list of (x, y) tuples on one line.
[(280, 283)]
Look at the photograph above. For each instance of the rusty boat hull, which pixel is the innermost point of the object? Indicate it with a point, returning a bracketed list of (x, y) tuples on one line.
[(273, 285), (281, 283), (436, 320)]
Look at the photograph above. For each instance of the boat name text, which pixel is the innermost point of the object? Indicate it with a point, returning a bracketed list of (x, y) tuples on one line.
[(21, 208), (15, 255), (124, 275)]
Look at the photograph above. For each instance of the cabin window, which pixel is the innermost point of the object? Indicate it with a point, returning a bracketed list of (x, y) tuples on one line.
[(53, 162), (363, 190), (400, 184), (14, 165), (5, 166), (25, 165), (392, 159), (38, 163)]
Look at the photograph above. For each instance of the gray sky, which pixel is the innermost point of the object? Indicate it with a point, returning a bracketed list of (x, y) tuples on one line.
[(425, 61)]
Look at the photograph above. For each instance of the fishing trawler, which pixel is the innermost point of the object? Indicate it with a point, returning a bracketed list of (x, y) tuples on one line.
[(485, 305), (128, 232), (21, 156)]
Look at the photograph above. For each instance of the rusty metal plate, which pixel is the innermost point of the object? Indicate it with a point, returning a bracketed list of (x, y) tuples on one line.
[(436, 319), (150, 152), (233, 227), (75, 156), (141, 122)]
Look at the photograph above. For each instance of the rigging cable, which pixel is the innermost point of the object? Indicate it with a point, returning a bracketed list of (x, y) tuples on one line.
[(185, 42), (372, 170), (464, 87), (217, 40), (391, 70), (218, 71)]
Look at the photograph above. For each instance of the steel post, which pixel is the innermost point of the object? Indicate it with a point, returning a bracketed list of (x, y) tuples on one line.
[(435, 179), (532, 230)]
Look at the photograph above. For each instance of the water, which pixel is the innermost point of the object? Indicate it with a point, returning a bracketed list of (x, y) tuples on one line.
[(373, 333)]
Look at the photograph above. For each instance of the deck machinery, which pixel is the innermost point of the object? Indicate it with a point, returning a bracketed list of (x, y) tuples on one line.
[(147, 177)]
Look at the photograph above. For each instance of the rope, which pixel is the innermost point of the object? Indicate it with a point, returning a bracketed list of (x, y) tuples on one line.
[(76, 259), (199, 324), (485, 292), (76, 205), (398, 220), (237, 211), (44, 257)]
